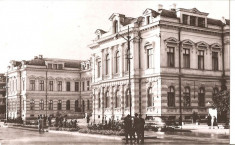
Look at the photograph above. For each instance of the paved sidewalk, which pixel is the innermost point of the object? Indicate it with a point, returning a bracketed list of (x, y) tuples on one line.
[(205, 129)]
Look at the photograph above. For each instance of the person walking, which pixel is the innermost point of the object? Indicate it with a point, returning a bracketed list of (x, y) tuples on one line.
[(39, 125), (135, 128), (209, 120), (141, 129), (127, 127)]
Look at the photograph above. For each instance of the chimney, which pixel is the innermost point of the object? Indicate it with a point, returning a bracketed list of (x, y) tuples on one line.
[(35, 57), (160, 7), (173, 7), (223, 20)]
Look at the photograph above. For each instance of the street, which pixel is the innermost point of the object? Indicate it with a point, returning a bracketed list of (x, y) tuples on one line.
[(10, 136)]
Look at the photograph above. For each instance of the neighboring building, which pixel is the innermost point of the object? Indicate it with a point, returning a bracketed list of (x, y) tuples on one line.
[(47, 86), (178, 55), (2, 96)]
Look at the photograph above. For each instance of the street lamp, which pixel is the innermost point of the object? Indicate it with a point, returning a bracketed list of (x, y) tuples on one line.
[(128, 39)]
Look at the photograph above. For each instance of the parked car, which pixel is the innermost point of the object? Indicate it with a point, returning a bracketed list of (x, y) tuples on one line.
[(154, 123)]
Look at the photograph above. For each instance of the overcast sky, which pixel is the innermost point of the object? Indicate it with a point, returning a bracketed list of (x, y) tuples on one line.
[(63, 29)]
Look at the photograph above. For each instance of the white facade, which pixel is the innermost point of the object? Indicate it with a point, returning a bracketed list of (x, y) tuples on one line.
[(177, 56)]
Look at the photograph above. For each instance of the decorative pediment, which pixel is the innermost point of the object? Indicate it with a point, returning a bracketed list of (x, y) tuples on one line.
[(202, 45), (41, 78), (147, 12), (149, 45), (100, 32), (32, 77), (216, 46), (194, 10), (114, 15), (171, 40), (187, 43)]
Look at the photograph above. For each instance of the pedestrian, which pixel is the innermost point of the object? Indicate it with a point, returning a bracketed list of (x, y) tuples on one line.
[(44, 120), (215, 122), (127, 127), (209, 120), (135, 127), (75, 123), (212, 122), (141, 128), (49, 120), (39, 125)]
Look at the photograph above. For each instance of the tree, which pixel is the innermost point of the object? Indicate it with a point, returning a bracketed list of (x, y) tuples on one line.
[(221, 101)]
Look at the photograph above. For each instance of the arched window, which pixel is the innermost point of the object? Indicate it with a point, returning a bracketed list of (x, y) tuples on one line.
[(51, 105), (59, 105), (127, 102), (32, 104), (83, 106), (171, 97), (127, 60), (117, 62), (68, 105), (201, 97), (150, 97), (99, 101), (107, 100), (150, 58), (115, 26), (41, 105), (107, 64), (117, 99), (76, 106), (88, 104), (187, 100), (215, 91)]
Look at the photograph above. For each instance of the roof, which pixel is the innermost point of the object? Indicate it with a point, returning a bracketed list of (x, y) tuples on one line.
[(227, 21), (214, 22), (72, 65), (168, 13), (38, 62)]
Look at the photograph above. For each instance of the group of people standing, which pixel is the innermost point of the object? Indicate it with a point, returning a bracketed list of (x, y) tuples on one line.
[(42, 120), (211, 121), (134, 126)]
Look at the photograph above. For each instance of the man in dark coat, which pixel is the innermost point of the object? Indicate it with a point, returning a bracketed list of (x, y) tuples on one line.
[(141, 128), (209, 120), (135, 127), (127, 127)]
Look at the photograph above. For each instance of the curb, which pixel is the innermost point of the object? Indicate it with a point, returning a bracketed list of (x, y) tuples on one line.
[(87, 135)]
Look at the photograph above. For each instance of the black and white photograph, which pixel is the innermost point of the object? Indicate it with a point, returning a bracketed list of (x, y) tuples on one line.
[(121, 72)]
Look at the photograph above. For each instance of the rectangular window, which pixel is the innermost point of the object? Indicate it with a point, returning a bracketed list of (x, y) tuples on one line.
[(170, 57), (41, 85), (49, 65), (59, 105), (200, 59), (68, 86), (88, 85), (186, 57), (192, 20), (60, 66), (214, 60), (150, 58), (83, 86), (54, 66), (148, 20), (76, 86), (201, 22), (59, 88), (50, 85), (99, 69), (32, 85), (185, 19), (23, 85), (88, 66)]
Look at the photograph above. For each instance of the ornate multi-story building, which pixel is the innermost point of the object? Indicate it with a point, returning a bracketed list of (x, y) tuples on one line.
[(49, 86), (2, 96), (180, 58)]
